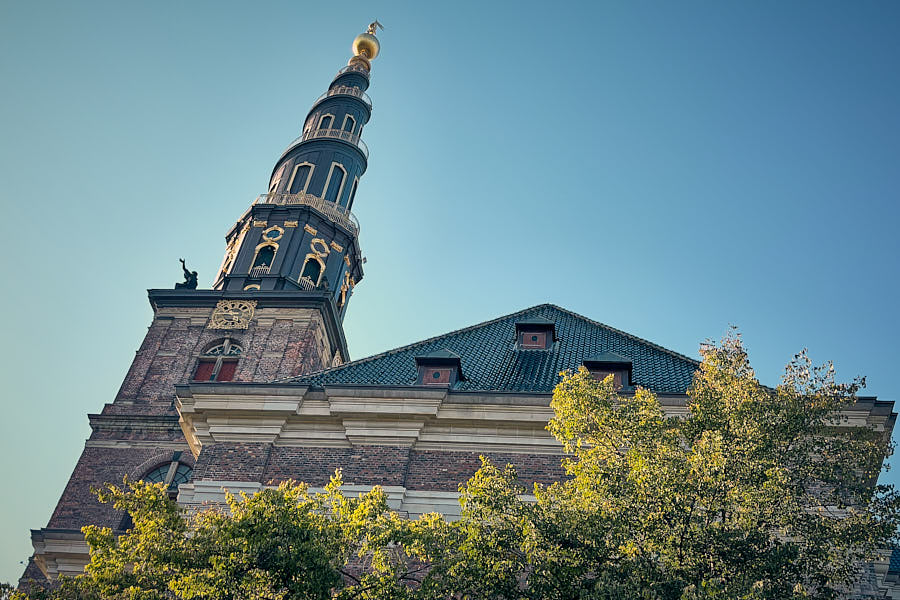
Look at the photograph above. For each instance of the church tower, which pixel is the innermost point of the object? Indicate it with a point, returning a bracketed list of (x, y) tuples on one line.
[(301, 235), (275, 311)]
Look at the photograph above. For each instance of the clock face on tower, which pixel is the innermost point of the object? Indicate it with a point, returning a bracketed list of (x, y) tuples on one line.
[(232, 314)]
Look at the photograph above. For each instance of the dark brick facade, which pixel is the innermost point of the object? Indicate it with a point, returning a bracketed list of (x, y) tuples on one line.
[(365, 465), (233, 462), (444, 471), (139, 431), (279, 348), (78, 506), (360, 465)]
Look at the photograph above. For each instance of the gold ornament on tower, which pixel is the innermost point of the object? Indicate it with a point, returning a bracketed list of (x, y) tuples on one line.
[(232, 314), (366, 46)]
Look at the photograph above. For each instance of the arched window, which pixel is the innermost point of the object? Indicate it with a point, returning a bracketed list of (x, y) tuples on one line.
[(172, 473), (334, 185), (326, 121), (349, 123), (219, 362), (265, 254), (300, 178), (312, 270)]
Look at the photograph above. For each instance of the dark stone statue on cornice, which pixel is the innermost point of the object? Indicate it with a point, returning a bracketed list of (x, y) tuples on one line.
[(190, 278)]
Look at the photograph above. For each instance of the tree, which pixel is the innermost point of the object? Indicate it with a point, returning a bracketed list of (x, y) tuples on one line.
[(753, 493), (281, 543)]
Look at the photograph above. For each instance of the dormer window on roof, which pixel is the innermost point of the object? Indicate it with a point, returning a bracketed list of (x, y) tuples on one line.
[(441, 368), (609, 363), (536, 333)]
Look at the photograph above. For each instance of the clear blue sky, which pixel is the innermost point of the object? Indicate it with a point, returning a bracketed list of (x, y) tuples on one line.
[(666, 168)]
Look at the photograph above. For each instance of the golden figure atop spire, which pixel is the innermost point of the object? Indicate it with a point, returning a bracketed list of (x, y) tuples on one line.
[(366, 46), (373, 26)]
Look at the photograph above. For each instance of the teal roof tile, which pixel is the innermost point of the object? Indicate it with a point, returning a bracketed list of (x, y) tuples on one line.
[(492, 363)]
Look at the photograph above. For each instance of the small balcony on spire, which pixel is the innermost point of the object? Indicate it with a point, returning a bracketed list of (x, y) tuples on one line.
[(345, 90), (354, 67), (331, 134), (330, 210)]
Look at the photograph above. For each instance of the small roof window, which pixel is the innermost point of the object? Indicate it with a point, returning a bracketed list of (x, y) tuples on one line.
[(440, 368), (610, 363), (536, 333)]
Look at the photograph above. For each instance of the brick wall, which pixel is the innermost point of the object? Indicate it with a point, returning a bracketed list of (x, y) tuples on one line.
[(232, 462), (78, 506), (290, 343), (283, 343), (364, 465), (444, 471), (280, 342), (360, 465)]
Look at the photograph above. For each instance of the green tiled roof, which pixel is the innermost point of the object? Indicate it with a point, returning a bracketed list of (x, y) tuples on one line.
[(491, 361)]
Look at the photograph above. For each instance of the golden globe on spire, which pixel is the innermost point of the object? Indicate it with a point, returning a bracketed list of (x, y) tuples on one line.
[(366, 46)]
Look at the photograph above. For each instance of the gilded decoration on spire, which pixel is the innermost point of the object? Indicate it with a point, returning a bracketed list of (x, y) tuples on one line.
[(366, 46), (374, 26)]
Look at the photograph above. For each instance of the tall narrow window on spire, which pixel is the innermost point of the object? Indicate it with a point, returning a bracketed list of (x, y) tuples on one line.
[(334, 185), (273, 185), (310, 124), (349, 123), (352, 193), (300, 178), (326, 121)]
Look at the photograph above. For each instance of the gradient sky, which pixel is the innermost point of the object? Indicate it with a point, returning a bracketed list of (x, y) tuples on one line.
[(667, 168)]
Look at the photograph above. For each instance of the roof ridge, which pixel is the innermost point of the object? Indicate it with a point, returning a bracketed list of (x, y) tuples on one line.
[(412, 345), (624, 333)]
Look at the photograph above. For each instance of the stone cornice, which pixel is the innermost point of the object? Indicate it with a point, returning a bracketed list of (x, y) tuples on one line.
[(132, 422), (174, 445), (421, 417), (59, 552)]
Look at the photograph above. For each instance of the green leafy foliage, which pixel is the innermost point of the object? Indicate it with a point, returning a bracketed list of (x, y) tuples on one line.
[(283, 543), (753, 493), (745, 492)]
